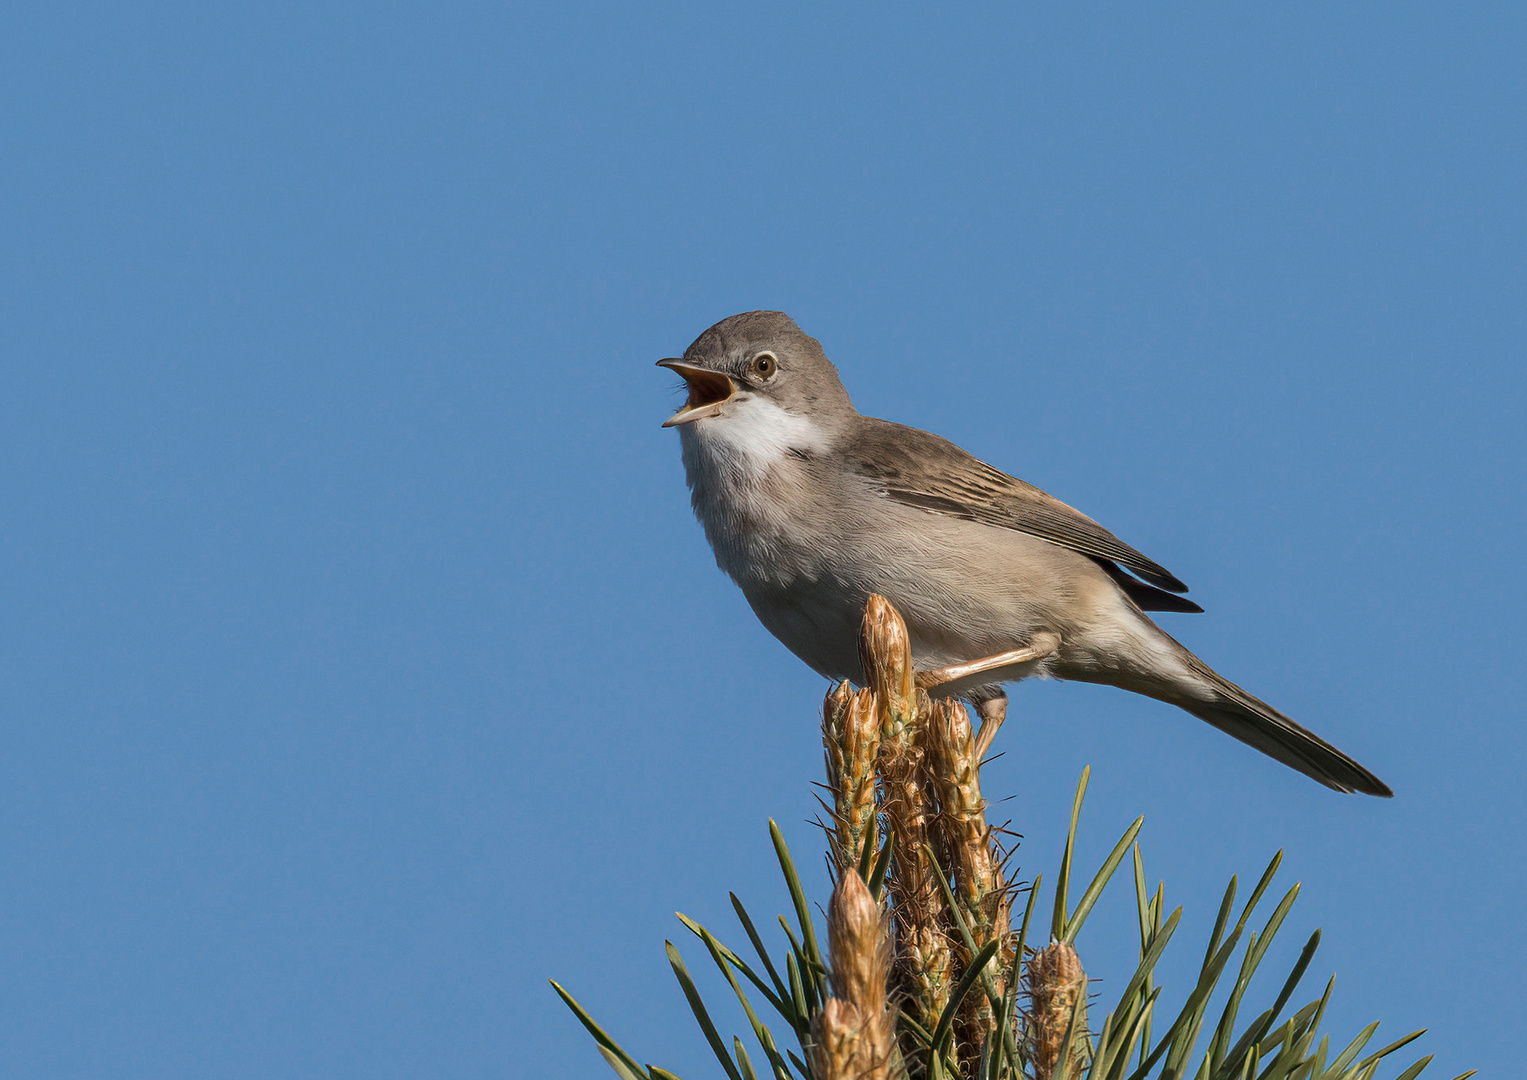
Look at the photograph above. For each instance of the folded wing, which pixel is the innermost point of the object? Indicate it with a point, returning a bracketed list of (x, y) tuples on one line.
[(921, 469)]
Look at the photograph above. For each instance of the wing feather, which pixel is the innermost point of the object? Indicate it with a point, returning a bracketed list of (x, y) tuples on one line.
[(921, 469)]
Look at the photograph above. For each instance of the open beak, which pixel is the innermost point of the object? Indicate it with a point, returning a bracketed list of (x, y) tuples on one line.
[(708, 391)]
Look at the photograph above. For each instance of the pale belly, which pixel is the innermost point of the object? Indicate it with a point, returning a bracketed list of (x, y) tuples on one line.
[(961, 600), (821, 626)]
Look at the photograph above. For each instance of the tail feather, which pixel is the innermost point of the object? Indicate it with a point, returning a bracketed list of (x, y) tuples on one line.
[(1258, 724), (1147, 597)]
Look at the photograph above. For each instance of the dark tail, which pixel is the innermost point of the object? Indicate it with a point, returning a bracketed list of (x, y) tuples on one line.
[(1258, 724)]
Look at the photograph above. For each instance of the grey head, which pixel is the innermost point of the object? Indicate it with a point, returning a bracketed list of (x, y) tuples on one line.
[(760, 356)]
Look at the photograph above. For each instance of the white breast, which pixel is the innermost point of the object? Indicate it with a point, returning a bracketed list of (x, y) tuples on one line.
[(747, 440), (746, 483)]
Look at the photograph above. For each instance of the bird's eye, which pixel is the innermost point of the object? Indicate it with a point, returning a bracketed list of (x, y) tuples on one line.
[(764, 366)]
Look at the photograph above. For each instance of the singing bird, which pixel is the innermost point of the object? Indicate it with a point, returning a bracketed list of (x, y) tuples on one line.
[(811, 507)]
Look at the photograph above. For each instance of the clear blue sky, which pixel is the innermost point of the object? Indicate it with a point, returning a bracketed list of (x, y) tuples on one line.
[(361, 665)]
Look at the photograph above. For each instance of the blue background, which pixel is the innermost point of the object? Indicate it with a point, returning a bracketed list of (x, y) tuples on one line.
[(362, 665)]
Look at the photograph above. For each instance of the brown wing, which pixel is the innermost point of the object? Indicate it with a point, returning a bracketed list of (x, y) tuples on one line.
[(922, 470)]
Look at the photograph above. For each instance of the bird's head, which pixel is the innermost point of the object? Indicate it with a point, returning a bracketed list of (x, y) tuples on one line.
[(758, 358)]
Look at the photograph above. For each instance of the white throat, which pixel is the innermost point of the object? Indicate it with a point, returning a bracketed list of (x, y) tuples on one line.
[(748, 439)]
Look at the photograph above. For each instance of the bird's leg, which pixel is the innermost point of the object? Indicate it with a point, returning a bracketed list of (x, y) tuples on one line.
[(993, 711), (992, 703), (1043, 645)]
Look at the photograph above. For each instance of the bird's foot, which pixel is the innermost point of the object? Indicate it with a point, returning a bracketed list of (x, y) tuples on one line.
[(992, 710)]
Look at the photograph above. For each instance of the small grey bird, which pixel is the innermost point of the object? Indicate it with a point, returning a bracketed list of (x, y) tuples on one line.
[(811, 507)]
